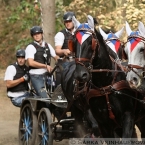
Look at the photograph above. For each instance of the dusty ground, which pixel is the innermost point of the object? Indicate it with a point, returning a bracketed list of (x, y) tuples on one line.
[(9, 119)]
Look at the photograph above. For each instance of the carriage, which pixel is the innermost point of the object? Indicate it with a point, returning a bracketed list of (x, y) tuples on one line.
[(37, 124), (43, 120)]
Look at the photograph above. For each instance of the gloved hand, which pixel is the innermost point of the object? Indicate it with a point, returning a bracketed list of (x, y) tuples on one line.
[(26, 77)]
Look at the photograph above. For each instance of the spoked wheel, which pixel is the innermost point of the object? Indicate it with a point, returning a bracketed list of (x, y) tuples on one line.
[(44, 136), (27, 126)]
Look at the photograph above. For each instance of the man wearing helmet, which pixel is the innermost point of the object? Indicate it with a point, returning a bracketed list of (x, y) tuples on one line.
[(61, 42), (16, 77), (38, 55), (61, 38)]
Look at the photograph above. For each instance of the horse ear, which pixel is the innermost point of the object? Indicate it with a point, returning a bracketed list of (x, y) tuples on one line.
[(91, 22), (141, 29), (119, 33), (128, 29), (76, 22), (104, 35)]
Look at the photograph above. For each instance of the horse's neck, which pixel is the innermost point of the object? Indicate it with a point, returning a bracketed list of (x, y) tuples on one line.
[(102, 59), (103, 62)]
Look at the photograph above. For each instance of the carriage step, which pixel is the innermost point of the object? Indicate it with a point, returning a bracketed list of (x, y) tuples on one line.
[(70, 120), (63, 121)]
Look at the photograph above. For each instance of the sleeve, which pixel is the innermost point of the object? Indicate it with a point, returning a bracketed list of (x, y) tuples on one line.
[(59, 39), (10, 73), (52, 51), (30, 51)]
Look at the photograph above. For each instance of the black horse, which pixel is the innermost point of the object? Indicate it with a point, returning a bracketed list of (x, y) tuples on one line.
[(84, 121), (116, 52), (109, 96)]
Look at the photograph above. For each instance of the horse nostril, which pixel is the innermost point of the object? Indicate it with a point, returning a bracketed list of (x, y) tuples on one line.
[(134, 79), (84, 76)]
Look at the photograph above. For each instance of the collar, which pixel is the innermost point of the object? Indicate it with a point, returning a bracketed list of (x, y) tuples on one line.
[(70, 31), (42, 45)]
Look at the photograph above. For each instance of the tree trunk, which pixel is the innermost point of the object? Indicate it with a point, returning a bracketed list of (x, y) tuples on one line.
[(48, 20)]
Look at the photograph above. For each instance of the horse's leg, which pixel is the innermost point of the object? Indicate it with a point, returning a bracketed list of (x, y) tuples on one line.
[(134, 134), (128, 125), (94, 124), (79, 115), (106, 130), (141, 126)]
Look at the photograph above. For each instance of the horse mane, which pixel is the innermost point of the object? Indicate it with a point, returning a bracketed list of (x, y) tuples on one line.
[(101, 51), (101, 61)]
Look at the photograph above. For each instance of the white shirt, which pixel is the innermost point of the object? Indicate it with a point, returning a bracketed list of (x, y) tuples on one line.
[(59, 38), (30, 52), (9, 75)]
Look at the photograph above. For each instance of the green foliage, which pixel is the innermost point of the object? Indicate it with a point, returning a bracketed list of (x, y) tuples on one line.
[(23, 42), (111, 14), (67, 2), (59, 14), (26, 15)]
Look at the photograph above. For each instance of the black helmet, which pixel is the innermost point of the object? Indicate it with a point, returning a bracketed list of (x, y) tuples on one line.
[(20, 52), (68, 16), (35, 29)]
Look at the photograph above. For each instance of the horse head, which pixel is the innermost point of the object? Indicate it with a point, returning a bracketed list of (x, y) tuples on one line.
[(135, 53), (84, 47), (114, 43)]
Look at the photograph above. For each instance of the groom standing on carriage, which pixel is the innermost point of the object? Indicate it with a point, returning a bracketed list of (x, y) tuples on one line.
[(61, 42)]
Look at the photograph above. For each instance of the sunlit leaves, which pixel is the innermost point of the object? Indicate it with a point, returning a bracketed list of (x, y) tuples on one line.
[(111, 14)]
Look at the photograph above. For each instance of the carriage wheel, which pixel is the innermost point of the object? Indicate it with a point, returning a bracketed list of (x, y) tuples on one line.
[(27, 126), (44, 136)]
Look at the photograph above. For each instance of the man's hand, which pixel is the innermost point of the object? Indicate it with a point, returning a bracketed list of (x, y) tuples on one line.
[(56, 58), (49, 68), (66, 52), (26, 77)]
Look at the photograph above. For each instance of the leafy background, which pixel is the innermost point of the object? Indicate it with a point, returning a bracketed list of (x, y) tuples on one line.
[(18, 16)]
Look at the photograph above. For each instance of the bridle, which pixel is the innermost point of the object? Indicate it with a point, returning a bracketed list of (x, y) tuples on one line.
[(132, 67), (81, 60)]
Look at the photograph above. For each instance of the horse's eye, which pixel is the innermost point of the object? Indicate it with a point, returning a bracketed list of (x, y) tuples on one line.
[(141, 50)]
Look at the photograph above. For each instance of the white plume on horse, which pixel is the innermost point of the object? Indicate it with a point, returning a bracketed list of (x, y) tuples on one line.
[(135, 52)]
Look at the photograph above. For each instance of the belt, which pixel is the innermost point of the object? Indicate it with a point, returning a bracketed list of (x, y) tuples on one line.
[(66, 59), (46, 73)]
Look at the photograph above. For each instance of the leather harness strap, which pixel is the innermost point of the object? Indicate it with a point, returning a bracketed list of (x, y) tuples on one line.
[(107, 89), (104, 91), (82, 59)]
